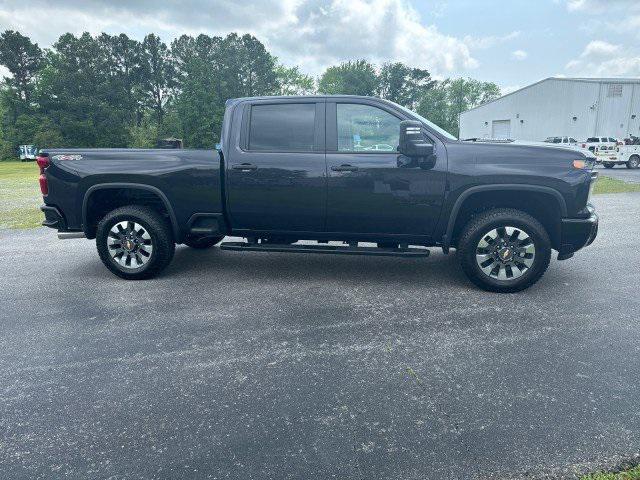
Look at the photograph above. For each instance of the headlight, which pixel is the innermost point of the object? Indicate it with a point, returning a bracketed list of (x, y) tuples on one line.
[(584, 164)]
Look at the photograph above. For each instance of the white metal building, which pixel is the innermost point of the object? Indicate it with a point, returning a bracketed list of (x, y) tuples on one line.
[(574, 107)]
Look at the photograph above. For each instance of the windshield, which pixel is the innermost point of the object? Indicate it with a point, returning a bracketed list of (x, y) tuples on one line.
[(428, 123)]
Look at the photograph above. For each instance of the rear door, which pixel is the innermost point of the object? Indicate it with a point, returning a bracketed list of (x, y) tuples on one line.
[(276, 171), (371, 190)]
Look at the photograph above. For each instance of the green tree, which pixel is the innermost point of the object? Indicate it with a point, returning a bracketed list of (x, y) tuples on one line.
[(292, 82), (246, 68), (158, 75), (434, 106), (404, 85), (349, 78), (23, 59), (212, 70), (121, 63), (444, 103)]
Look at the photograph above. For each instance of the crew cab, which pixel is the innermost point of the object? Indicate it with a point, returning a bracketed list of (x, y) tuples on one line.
[(328, 174)]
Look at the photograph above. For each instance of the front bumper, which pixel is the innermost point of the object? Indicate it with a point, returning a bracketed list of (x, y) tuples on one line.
[(577, 233)]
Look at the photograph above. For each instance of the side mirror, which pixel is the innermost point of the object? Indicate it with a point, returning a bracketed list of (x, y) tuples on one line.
[(414, 145)]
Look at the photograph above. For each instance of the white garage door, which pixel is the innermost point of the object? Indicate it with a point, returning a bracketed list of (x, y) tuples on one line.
[(501, 129)]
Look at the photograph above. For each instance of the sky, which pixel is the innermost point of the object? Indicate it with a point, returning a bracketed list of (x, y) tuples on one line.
[(512, 43)]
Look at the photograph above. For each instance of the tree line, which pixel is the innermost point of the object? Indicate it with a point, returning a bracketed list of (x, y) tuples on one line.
[(115, 91)]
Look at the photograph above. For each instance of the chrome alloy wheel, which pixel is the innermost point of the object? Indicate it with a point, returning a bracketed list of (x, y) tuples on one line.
[(129, 244), (505, 253)]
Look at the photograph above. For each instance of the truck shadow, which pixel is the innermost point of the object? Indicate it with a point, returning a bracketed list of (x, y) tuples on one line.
[(436, 270)]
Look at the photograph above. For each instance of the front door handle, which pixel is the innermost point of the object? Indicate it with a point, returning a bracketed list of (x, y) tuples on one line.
[(344, 168), (244, 167)]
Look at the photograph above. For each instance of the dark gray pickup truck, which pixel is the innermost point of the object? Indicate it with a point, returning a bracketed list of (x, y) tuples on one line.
[(335, 171)]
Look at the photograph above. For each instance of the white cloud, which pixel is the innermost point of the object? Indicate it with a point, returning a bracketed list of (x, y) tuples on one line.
[(599, 49), (482, 43), (618, 16), (604, 59), (519, 55), (600, 6), (309, 33)]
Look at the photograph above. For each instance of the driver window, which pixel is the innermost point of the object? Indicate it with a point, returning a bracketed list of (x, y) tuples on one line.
[(363, 128)]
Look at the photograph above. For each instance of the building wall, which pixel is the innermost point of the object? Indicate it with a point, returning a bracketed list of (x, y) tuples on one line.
[(548, 109)]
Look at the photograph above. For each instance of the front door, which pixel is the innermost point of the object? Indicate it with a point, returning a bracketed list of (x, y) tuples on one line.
[(276, 173), (372, 189)]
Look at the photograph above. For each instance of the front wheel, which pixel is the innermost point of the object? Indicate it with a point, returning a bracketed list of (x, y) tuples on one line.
[(135, 242), (504, 250), (633, 162)]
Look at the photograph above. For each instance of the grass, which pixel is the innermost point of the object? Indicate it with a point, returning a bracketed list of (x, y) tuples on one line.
[(613, 185), (20, 196), (632, 474)]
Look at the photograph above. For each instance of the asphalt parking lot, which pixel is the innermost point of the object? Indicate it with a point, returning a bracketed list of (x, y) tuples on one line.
[(621, 173), (261, 366)]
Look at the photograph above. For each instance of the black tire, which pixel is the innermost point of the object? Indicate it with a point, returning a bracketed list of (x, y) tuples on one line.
[(608, 164), (633, 162), (481, 225), (161, 240), (202, 242)]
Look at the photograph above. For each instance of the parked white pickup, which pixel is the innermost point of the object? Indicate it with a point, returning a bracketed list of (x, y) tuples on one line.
[(628, 155)]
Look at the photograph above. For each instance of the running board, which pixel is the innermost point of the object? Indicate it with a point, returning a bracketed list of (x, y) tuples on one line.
[(327, 249)]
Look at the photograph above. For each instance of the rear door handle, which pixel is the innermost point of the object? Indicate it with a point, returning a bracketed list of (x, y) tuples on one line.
[(344, 168), (244, 167)]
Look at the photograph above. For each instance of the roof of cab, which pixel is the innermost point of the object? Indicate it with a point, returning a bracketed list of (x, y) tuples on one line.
[(306, 97)]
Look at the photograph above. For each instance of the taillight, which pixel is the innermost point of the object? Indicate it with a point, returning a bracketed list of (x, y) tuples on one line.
[(43, 163), (584, 145)]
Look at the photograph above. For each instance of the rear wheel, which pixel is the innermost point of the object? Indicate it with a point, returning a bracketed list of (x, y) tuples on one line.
[(504, 250), (608, 164), (203, 242), (135, 242), (633, 162)]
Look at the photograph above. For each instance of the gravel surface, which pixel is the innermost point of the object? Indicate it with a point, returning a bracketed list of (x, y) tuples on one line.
[(271, 366)]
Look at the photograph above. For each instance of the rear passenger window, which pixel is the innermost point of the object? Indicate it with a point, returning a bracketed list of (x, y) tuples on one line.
[(286, 127)]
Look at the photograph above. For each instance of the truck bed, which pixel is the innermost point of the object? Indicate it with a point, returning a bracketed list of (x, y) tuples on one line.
[(188, 182)]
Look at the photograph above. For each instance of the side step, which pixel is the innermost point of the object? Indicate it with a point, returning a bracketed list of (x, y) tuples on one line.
[(327, 249)]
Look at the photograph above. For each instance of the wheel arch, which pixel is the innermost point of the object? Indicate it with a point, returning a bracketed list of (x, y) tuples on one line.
[(545, 204), (126, 194)]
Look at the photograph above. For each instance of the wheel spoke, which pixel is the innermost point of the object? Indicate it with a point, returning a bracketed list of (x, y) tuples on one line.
[(505, 253), (129, 244)]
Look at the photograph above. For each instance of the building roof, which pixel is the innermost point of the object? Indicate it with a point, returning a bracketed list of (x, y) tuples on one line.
[(566, 79)]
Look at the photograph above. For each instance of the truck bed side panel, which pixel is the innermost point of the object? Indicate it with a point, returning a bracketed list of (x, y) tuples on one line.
[(189, 179)]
